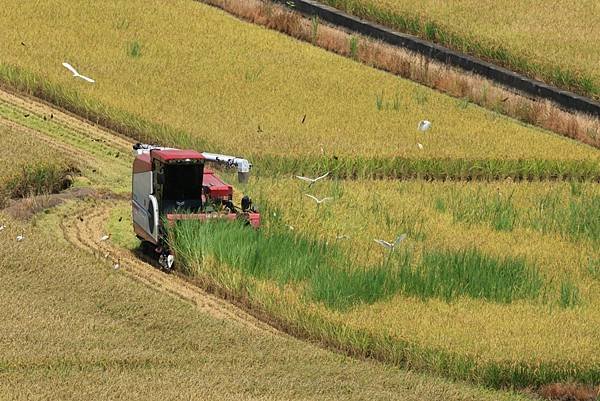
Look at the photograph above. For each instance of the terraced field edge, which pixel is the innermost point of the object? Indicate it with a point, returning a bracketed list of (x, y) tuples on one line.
[(426, 29)]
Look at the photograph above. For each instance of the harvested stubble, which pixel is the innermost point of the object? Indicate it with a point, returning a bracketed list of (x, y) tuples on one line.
[(212, 100), (69, 318)]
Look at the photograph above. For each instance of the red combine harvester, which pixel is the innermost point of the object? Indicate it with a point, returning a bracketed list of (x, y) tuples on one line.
[(173, 184)]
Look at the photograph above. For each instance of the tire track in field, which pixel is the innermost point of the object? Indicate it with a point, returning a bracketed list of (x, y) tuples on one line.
[(84, 227)]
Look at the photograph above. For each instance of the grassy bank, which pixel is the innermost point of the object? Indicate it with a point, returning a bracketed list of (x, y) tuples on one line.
[(549, 45)]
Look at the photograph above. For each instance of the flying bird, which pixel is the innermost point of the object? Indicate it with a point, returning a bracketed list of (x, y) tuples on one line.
[(105, 237), (424, 125), (391, 245), (420, 146), (20, 237), (77, 74), (319, 201), (311, 181), (2, 227), (343, 236)]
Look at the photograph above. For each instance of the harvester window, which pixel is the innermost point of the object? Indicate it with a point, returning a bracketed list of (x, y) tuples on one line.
[(182, 188)]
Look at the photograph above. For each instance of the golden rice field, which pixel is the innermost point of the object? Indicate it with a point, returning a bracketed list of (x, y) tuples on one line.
[(554, 43), (538, 330), (69, 317), (242, 91), (231, 87)]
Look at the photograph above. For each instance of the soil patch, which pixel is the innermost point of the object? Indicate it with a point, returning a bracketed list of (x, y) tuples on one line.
[(25, 208)]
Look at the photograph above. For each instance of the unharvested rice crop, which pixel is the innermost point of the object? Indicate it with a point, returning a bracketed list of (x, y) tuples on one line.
[(553, 43), (501, 291), (240, 90)]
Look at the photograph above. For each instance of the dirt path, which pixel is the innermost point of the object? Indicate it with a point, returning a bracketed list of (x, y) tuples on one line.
[(95, 148), (85, 226)]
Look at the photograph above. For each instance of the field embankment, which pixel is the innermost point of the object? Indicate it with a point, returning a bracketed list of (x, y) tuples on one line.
[(553, 44)]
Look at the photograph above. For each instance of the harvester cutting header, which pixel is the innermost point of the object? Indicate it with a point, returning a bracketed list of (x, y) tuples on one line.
[(172, 184)]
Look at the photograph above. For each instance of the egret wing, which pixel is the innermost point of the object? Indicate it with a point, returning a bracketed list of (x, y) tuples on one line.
[(70, 68), (321, 177), (304, 178), (86, 78), (384, 243), (312, 197)]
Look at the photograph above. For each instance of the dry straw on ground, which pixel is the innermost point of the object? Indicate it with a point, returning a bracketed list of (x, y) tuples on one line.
[(454, 82)]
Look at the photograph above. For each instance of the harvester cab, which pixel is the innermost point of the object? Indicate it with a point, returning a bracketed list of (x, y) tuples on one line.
[(170, 185)]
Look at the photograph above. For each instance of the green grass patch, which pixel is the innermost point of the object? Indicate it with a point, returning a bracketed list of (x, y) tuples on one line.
[(134, 49), (450, 274), (574, 214), (333, 278)]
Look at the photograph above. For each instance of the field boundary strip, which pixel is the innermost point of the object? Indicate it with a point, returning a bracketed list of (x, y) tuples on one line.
[(430, 50)]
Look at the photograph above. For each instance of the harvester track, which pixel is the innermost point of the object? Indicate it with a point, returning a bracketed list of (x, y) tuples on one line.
[(83, 228)]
